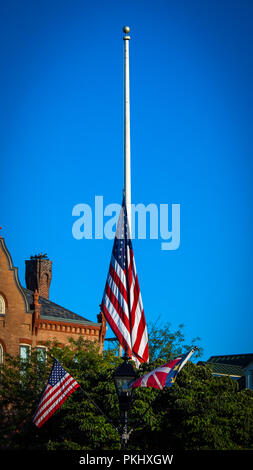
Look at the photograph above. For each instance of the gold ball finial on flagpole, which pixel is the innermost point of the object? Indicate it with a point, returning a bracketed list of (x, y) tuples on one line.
[(126, 30)]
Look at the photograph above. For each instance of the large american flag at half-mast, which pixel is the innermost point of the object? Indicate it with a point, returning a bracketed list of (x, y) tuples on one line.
[(165, 375), (122, 301), (60, 385)]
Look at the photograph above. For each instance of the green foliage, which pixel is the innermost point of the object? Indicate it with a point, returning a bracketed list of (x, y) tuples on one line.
[(77, 424), (198, 412), (165, 344)]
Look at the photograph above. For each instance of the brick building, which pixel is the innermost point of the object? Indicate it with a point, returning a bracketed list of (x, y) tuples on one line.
[(28, 318)]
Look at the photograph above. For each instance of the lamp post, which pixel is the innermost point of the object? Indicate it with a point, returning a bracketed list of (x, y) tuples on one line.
[(123, 377)]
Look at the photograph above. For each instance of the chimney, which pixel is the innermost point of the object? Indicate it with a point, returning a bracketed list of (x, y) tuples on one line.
[(38, 274)]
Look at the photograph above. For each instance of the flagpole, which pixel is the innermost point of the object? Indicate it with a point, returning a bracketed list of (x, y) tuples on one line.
[(127, 160)]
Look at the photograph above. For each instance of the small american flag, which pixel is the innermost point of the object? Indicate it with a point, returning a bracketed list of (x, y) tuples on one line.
[(163, 376), (58, 389), (122, 301)]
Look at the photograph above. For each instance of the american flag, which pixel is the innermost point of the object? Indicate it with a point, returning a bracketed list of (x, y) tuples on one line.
[(163, 376), (58, 389), (122, 302)]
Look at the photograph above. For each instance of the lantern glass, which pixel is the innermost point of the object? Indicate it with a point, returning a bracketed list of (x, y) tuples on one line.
[(123, 377)]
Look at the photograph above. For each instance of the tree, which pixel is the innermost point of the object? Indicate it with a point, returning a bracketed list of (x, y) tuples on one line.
[(77, 424), (198, 412), (165, 344)]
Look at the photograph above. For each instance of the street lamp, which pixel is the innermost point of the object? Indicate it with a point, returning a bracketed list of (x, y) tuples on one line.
[(123, 377)]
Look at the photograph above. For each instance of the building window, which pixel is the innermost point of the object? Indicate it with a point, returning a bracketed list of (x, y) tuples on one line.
[(41, 353), (2, 305), (24, 352)]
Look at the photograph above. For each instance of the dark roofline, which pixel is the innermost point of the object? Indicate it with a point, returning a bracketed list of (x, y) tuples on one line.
[(230, 355), (242, 360), (52, 311), (226, 369)]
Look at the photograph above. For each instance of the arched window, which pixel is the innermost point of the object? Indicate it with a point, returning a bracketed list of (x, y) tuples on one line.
[(2, 305)]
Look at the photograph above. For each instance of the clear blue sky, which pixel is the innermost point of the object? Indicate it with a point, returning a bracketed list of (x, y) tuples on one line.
[(61, 143)]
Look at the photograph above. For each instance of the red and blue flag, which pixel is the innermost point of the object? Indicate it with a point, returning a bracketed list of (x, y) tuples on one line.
[(165, 375)]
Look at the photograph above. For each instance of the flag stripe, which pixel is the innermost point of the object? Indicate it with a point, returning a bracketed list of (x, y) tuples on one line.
[(51, 397), (118, 281), (52, 403), (121, 273), (53, 406), (56, 404), (137, 318), (50, 391), (60, 385), (122, 302), (117, 328), (118, 301), (116, 304), (143, 347), (116, 318), (139, 327), (52, 409)]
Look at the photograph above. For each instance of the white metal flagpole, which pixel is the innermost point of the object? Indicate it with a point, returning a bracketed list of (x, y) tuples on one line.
[(127, 158)]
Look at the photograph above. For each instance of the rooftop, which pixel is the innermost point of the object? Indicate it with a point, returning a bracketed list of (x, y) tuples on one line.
[(226, 369), (52, 311), (241, 360)]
